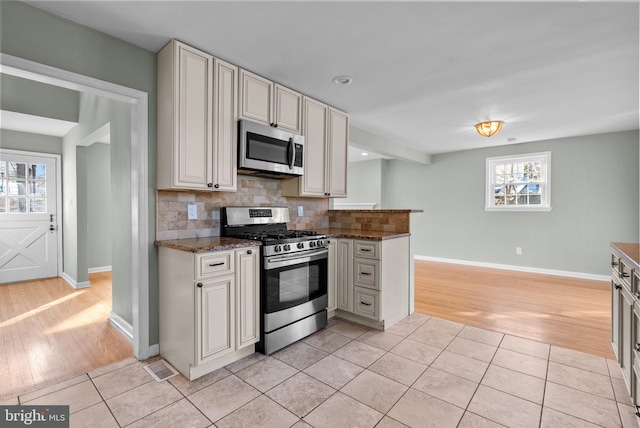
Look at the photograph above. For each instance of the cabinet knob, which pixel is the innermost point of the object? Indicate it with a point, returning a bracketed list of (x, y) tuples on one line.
[(217, 186), (209, 184), (624, 275), (249, 252), (637, 347), (199, 284), (617, 286), (614, 264)]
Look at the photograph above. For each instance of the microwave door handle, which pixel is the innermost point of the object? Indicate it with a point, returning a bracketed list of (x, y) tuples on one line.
[(292, 153)]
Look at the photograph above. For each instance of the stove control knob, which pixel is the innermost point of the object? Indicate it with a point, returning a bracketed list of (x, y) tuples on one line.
[(277, 248), (312, 244), (300, 245), (287, 247), (320, 243)]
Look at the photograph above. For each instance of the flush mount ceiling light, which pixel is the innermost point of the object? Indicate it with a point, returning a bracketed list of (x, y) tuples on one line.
[(342, 80), (489, 128)]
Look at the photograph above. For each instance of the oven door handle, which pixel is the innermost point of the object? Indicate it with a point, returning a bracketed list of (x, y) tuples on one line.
[(294, 259)]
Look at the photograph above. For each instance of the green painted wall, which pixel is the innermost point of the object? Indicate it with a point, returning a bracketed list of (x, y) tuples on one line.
[(39, 99), (39, 36), (594, 198), (30, 142), (365, 182), (99, 218)]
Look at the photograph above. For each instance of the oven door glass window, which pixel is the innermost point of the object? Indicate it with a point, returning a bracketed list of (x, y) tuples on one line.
[(289, 286)]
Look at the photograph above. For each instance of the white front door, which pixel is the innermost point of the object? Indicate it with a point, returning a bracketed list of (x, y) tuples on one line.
[(28, 216)]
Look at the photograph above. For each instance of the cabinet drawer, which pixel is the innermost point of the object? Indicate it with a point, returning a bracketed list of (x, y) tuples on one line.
[(214, 264), (367, 249), (615, 262), (366, 273), (625, 273), (366, 303)]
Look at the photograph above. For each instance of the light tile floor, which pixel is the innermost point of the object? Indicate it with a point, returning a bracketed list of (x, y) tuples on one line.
[(422, 372)]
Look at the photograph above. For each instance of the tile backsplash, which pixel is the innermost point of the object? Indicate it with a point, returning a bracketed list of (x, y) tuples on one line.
[(171, 208), (370, 220)]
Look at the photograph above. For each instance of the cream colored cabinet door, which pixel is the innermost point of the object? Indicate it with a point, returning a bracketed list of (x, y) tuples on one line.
[(248, 286), (338, 146), (185, 119), (267, 102), (345, 274), (225, 164), (315, 148), (332, 280), (215, 318), (288, 109), (256, 94)]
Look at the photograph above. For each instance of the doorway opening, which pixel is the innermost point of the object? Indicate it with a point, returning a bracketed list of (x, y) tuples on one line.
[(138, 239)]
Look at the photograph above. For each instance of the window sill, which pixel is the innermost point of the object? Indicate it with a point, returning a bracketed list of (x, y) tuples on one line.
[(519, 209)]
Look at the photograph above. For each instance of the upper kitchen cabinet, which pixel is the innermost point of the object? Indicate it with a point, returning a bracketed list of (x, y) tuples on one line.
[(326, 133), (197, 120), (267, 102)]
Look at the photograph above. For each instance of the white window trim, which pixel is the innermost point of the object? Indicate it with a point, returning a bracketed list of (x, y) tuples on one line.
[(489, 200)]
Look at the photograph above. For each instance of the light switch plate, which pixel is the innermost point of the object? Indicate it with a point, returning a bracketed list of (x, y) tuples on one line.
[(300, 211), (192, 212)]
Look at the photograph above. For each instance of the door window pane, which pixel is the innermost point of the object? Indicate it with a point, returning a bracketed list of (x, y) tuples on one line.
[(37, 188), (17, 205), (3, 169), (17, 170), (38, 205), (3, 205), (17, 188), (37, 172)]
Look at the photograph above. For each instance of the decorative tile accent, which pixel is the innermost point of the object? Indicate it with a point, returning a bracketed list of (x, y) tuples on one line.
[(171, 208), (385, 221)]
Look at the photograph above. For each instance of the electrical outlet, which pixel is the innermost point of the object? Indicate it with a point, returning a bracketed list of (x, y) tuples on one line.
[(300, 211), (192, 212), (519, 251)]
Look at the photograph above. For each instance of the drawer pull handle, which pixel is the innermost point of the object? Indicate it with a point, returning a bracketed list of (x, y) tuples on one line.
[(366, 304), (365, 273), (216, 264), (365, 249), (617, 286), (625, 275), (614, 264), (199, 284), (637, 347)]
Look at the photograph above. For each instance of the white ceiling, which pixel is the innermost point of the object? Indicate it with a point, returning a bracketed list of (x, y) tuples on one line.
[(423, 72)]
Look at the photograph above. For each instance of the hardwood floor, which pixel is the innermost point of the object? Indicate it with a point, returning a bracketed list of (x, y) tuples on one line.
[(50, 332), (566, 312)]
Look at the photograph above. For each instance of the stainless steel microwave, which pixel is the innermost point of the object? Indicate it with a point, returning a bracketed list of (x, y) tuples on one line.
[(269, 151)]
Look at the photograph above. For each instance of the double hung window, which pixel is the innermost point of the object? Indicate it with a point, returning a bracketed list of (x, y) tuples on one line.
[(518, 183)]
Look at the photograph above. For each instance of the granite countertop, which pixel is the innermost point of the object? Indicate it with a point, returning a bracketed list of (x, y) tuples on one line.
[(390, 211), (630, 250), (205, 245), (371, 235)]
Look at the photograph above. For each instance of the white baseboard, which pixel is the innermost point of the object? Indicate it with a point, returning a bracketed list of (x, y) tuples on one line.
[(73, 283), (100, 269), (580, 275), (122, 326)]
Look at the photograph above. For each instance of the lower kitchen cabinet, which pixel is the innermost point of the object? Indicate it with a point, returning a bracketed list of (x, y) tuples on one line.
[(373, 281), (332, 277), (208, 308), (625, 319)]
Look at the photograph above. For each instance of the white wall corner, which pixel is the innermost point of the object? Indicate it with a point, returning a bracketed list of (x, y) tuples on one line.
[(122, 326), (75, 284)]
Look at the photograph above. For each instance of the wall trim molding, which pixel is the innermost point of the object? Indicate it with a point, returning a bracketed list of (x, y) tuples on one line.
[(100, 269), (122, 326), (73, 283), (579, 275)]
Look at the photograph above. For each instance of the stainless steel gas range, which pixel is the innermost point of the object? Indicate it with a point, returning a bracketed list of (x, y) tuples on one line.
[(293, 274)]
